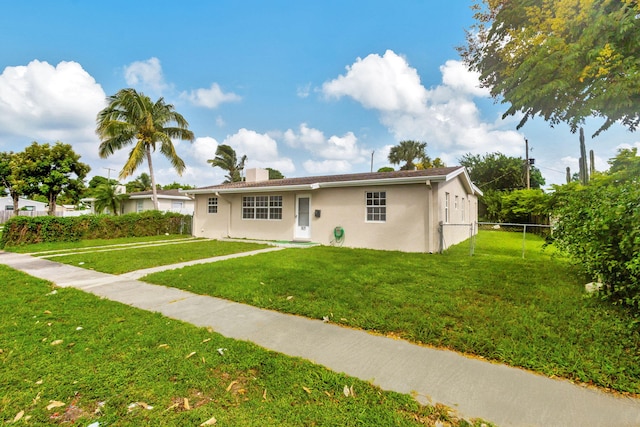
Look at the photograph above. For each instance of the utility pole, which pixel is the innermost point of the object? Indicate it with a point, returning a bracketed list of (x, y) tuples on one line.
[(527, 165), (373, 151), (109, 173)]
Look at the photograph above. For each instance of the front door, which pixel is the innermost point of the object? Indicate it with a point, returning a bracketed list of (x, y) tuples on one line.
[(302, 229)]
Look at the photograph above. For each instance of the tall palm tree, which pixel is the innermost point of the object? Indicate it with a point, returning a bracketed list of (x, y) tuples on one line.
[(131, 118), (407, 152), (108, 198), (227, 159)]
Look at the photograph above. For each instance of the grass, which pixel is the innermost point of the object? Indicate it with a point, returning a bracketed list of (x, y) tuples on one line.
[(63, 246), (530, 313), (67, 357), (123, 260)]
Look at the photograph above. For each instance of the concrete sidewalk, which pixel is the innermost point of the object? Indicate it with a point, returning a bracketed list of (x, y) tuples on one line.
[(476, 389)]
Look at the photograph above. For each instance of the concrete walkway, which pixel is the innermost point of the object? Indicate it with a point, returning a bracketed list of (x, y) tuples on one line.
[(476, 389)]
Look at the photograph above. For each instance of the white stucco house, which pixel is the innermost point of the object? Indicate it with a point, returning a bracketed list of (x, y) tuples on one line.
[(413, 211), (168, 201)]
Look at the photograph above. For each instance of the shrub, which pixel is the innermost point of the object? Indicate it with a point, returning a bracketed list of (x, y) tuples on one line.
[(597, 226), (22, 230)]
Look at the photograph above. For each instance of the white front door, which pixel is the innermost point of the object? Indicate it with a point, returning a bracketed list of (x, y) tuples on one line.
[(302, 230)]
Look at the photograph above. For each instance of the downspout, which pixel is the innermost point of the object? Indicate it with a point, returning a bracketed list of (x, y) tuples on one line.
[(428, 219)]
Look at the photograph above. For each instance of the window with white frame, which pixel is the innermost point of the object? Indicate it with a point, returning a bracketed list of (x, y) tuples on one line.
[(447, 198), (139, 206), (376, 206), (177, 206), (212, 205), (262, 207)]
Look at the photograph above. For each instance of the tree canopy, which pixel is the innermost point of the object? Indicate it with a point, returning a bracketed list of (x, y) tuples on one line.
[(407, 152), (227, 159), (50, 171), (131, 118), (496, 171), (563, 60)]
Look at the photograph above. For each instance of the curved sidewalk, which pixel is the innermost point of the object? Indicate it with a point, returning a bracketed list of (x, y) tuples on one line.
[(503, 395)]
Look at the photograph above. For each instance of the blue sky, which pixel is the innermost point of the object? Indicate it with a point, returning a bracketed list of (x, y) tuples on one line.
[(308, 88)]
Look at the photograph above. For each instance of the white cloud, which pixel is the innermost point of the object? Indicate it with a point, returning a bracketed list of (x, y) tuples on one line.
[(385, 83), (343, 148), (203, 149), (457, 76), (445, 116), (146, 75), (261, 150), (47, 103), (210, 98)]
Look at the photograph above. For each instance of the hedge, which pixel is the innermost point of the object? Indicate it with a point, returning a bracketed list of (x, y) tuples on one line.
[(22, 230)]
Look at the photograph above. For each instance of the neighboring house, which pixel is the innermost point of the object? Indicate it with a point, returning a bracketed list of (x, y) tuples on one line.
[(168, 201), (6, 204), (413, 211)]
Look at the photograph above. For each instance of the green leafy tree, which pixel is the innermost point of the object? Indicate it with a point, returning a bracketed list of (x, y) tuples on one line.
[(528, 206), (625, 166), (563, 60), (141, 183), (227, 159), (177, 186), (50, 171), (495, 171), (407, 152), (275, 174), (107, 197), (386, 169), (131, 118), (426, 163), (12, 177)]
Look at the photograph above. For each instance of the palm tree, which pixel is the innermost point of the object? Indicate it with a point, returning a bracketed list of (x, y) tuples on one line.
[(227, 159), (407, 152), (107, 197), (131, 118), (141, 183)]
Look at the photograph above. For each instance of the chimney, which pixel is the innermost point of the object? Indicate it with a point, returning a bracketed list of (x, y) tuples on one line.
[(257, 175)]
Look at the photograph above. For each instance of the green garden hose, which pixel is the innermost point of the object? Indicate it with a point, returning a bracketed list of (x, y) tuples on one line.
[(338, 235)]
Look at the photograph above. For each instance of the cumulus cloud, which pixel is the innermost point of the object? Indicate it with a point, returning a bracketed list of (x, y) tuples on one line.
[(42, 102), (385, 83), (210, 98), (145, 75), (338, 151), (261, 150), (445, 116)]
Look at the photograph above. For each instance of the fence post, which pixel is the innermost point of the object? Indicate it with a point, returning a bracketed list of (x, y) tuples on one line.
[(524, 238)]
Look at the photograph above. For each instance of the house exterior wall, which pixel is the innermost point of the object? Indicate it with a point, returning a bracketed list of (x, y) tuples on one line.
[(22, 203), (404, 228), (459, 223), (414, 213), (164, 204)]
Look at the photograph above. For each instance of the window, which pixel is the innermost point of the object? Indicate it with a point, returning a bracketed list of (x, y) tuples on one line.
[(139, 206), (262, 207), (212, 205), (8, 208), (177, 206), (446, 207), (376, 206)]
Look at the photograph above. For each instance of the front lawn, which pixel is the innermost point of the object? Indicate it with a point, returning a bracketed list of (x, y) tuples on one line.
[(530, 312), (70, 358), (123, 259)]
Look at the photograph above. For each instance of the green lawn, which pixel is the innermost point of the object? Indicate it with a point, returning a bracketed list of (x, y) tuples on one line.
[(70, 358), (123, 260), (77, 245), (529, 312)]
